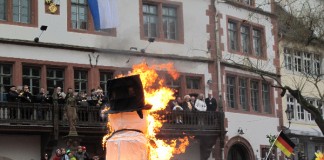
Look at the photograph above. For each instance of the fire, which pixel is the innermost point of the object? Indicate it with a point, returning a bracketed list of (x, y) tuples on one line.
[(158, 95)]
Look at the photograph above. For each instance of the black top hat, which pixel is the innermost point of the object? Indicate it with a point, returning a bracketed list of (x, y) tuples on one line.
[(126, 95)]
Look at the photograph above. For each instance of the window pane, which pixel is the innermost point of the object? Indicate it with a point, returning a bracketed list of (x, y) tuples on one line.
[(79, 15), (3, 10), (6, 69), (21, 11), (193, 82), (266, 97), (169, 22), (254, 95), (257, 42), (243, 93), (6, 80), (150, 20), (245, 39), (230, 94), (232, 33)]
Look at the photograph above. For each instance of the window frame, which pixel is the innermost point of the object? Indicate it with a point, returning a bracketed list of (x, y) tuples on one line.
[(79, 80), (249, 79), (160, 31), (31, 77), (251, 48), (91, 30), (2, 75), (191, 79), (103, 84), (314, 61), (55, 79), (299, 114), (33, 14)]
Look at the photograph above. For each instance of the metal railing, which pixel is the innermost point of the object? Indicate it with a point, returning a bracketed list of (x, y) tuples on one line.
[(90, 116)]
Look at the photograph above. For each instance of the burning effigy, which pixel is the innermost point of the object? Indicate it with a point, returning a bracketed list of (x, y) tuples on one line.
[(133, 122)]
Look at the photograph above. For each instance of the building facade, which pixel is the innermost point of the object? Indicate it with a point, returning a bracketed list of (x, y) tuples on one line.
[(302, 65), (70, 53), (247, 43)]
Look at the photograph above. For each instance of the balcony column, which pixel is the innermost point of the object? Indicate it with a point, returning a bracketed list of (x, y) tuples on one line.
[(17, 74)]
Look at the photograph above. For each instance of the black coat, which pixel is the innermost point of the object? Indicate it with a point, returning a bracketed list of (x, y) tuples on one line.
[(12, 96), (186, 108), (211, 104)]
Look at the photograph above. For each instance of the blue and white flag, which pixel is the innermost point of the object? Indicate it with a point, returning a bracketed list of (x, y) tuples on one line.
[(104, 13)]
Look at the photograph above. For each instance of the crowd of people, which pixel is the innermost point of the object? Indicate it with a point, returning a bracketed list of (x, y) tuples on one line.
[(22, 94), (67, 154), (193, 104)]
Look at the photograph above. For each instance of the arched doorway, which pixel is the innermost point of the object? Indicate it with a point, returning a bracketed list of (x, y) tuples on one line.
[(237, 152), (238, 148)]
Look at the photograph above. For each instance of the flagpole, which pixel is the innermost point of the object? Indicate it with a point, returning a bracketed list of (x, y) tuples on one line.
[(272, 146)]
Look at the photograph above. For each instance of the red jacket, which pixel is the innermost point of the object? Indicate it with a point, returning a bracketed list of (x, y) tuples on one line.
[(56, 157)]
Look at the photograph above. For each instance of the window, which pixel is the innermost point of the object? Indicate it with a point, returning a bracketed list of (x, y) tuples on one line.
[(249, 41), (246, 2), (193, 82), (3, 8), (18, 11), (257, 42), (232, 31), (31, 78), (230, 95), (245, 39), (162, 21), (298, 112), (317, 64), (5, 74), (305, 62), (79, 14), (104, 77), (55, 77), (243, 93), (80, 80), (80, 20), (5, 79), (150, 18), (250, 94), (291, 106), (298, 62), (266, 97), (254, 95), (288, 59), (170, 22)]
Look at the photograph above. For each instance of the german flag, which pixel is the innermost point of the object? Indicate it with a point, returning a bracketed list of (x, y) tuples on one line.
[(285, 144)]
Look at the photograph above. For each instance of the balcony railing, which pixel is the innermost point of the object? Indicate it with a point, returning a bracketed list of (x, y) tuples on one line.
[(12, 114)]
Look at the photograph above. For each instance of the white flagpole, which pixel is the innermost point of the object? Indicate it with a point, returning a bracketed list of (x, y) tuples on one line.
[(272, 146)]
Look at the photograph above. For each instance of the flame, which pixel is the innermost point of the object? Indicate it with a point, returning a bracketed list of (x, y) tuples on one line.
[(158, 95)]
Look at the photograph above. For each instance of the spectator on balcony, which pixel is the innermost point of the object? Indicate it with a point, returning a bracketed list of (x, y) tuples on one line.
[(187, 104), (100, 97), (12, 95), (201, 106), (61, 96), (193, 100), (26, 96), (178, 108), (42, 96), (82, 99), (211, 102)]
